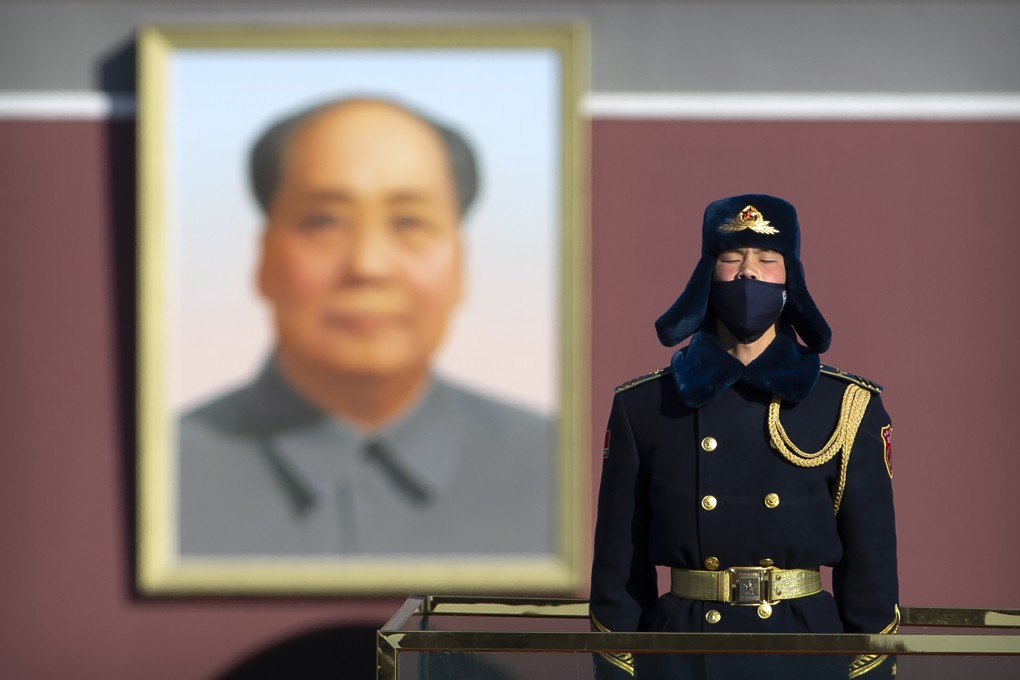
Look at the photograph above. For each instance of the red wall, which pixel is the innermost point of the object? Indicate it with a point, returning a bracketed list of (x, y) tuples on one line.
[(910, 246)]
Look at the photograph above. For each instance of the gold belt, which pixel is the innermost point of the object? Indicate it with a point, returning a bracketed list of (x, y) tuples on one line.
[(746, 585)]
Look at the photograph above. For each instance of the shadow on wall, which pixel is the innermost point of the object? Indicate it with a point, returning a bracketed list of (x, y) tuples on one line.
[(115, 75), (117, 69), (332, 652)]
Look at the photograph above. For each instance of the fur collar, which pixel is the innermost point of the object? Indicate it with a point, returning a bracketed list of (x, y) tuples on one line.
[(703, 370)]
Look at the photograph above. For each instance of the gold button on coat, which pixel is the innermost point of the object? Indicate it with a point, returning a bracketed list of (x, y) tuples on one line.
[(713, 616), (709, 443), (764, 610), (709, 502), (711, 563), (772, 500)]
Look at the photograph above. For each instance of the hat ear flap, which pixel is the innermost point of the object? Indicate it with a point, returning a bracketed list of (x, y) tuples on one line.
[(686, 315), (801, 311)]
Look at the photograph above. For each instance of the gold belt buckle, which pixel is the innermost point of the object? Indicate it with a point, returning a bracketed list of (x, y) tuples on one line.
[(750, 585)]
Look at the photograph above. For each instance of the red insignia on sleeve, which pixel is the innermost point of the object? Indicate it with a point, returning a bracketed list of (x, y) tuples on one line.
[(887, 438), (605, 447)]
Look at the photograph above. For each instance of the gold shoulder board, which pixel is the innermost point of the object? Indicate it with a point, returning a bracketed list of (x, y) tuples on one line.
[(851, 378), (634, 382)]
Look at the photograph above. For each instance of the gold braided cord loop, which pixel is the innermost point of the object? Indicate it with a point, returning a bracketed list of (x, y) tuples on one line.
[(837, 495), (863, 663), (855, 402), (851, 435), (622, 660), (851, 413)]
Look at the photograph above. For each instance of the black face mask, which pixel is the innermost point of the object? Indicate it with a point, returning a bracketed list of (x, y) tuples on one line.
[(747, 307)]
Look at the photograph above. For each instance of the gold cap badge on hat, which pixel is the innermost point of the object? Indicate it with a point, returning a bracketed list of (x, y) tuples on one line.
[(749, 218)]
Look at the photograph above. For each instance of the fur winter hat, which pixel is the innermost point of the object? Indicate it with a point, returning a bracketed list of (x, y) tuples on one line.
[(747, 221)]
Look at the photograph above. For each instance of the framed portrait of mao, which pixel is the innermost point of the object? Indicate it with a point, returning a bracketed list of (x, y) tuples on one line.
[(362, 306)]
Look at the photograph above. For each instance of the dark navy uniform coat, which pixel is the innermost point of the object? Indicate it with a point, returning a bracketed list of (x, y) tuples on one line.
[(657, 472)]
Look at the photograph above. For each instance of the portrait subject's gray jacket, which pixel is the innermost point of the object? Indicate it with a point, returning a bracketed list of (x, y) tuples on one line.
[(264, 472)]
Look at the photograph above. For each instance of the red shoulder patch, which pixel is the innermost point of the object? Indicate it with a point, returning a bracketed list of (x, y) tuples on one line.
[(887, 438), (605, 447)]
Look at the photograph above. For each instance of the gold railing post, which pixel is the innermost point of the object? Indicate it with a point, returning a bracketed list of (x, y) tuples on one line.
[(386, 657)]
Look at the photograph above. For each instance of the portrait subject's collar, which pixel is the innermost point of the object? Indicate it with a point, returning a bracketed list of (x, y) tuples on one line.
[(311, 450), (703, 369), (425, 443)]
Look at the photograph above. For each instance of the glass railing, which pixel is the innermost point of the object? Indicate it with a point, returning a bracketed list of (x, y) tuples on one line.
[(439, 637)]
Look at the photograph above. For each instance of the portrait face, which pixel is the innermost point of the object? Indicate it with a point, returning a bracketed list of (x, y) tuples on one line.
[(361, 260), (751, 263)]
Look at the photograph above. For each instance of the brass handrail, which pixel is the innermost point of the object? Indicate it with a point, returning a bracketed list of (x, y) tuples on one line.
[(576, 608), (398, 636)]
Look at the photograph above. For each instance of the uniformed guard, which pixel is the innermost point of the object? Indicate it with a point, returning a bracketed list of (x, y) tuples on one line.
[(743, 467)]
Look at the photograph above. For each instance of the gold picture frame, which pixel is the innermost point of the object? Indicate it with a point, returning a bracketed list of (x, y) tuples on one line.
[(200, 93)]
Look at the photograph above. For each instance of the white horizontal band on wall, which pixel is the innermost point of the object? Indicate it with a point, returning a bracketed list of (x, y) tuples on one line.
[(801, 106), (65, 106), (623, 106)]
